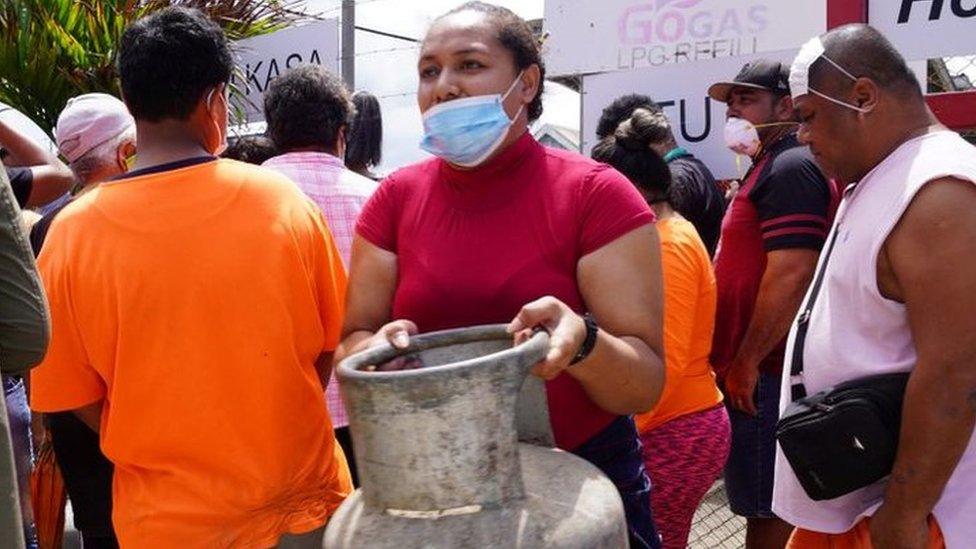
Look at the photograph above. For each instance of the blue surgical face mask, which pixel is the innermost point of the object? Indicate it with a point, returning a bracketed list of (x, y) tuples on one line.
[(465, 132)]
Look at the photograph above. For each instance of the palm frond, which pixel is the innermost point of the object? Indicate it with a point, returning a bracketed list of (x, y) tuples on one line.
[(52, 50)]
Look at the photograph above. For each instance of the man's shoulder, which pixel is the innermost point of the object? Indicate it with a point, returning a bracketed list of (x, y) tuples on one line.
[(690, 168), (792, 157), (253, 179)]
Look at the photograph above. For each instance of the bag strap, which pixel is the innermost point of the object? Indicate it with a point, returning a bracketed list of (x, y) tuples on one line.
[(803, 323)]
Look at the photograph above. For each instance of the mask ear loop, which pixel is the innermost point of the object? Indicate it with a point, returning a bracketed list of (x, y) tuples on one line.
[(512, 87), (223, 145), (846, 73), (839, 102)]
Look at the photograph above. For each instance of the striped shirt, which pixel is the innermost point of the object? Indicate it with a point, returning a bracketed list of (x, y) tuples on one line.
[(785, 202), (341, 194)]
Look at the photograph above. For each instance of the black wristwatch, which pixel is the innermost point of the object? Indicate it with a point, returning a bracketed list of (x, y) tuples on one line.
[(589, 342)]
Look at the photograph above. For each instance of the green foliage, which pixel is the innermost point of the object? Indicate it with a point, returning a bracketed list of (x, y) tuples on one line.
[(52, 50)]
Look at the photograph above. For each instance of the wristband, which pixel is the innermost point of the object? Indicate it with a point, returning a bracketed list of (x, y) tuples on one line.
[(589, 342)]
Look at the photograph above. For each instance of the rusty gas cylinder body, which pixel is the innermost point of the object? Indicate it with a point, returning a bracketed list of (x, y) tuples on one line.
[(440, 460)]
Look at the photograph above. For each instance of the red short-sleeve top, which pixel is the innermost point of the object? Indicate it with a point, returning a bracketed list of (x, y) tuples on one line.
[(474, 246)]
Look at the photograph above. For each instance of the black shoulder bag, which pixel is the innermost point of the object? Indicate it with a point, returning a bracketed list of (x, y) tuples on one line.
[(845, 437)]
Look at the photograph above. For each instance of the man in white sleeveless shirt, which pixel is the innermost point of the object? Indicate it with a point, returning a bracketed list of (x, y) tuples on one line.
[(899, 294)]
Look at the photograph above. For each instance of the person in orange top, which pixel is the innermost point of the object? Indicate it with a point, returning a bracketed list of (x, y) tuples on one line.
[(195, 303), (686, 436)]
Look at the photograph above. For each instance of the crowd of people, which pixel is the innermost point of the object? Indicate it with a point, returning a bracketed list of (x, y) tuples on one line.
[(191, 296)]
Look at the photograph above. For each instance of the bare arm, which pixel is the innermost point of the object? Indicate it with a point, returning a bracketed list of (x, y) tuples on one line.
[(927, 263), (24, 331), (51, 178), (784, 283), (622, 287), (369, 298)]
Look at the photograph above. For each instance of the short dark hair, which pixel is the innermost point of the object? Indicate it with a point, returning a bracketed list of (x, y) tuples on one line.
[(620, 110), (515, 34), (306, 107), (253, 149), (168, 60), (864, 52), (628, 150), (364, 140)]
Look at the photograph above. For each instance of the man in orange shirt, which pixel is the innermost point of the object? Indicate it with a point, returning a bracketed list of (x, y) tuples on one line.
[(195, 303)]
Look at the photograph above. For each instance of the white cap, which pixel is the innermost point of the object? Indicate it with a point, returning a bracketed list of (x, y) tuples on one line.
[(88, 121)]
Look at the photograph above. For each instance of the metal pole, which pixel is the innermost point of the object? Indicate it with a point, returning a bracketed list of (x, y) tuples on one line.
[(349, 43)]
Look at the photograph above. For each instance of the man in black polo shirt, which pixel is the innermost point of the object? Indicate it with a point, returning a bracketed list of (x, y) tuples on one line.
[(36, 175), (693, 192), (771, 239)]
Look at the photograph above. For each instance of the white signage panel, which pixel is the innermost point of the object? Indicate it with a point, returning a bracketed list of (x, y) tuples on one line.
[(924, 29), (682, 91), (263, 58), (613, 35)]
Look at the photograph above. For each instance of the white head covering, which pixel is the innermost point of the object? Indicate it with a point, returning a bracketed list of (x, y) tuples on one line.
[(800, 72), (89, 120)]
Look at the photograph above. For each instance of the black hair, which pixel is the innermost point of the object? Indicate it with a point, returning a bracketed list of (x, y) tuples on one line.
[(864, 52), (306, 107), (620, 110), (168, 60), (628, 150), (364, 140), (515, 34), (253, 149)]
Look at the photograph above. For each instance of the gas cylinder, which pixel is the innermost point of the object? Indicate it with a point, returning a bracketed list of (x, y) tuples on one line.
[(437, 444)]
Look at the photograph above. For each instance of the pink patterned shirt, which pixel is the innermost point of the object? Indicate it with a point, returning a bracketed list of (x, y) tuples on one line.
[(341, 194)]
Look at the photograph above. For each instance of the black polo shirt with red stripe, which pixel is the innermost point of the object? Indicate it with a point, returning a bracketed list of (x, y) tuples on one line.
[(784, 202)]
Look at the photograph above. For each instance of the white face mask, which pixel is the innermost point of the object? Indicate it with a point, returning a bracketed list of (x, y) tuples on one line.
[(800, 73), (465, 132), (742, 136)]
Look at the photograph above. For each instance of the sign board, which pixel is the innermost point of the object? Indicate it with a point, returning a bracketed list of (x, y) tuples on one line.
[(682, 90), (924, 29), (614, 35), (263, 58)]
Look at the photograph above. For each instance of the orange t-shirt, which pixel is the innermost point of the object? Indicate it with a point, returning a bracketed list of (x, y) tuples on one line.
[(195, 302), (689, 320)]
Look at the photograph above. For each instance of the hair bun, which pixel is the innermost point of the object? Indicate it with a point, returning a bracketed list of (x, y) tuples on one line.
[(629, 138)]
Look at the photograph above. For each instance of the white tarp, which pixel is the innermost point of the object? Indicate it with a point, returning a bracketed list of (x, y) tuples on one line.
[(924, 29), (263, 58), (612, 35), (22, 123)]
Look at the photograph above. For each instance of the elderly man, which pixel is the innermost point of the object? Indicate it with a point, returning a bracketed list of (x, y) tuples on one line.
[(308, 110), (898, 295), (97, 136)]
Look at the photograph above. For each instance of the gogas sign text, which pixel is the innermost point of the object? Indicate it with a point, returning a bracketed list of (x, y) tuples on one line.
[(658, 32)]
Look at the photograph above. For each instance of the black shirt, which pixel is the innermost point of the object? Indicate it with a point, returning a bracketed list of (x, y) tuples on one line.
[(21, 181), (696, 196)]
